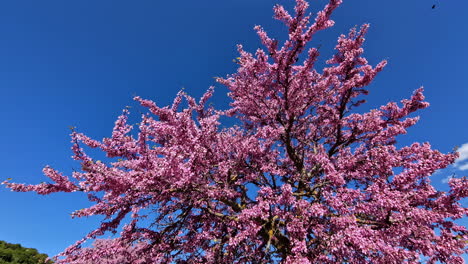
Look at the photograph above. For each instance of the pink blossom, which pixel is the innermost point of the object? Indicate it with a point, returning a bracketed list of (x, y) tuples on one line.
[(303, 178)]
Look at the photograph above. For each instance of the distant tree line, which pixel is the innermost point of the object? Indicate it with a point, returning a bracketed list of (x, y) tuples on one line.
[(16, 254)]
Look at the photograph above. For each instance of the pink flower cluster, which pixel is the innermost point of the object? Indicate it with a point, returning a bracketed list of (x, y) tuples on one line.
[(301, 179)]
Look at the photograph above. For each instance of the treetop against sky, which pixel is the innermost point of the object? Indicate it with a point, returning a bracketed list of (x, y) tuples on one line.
[(296, 169)]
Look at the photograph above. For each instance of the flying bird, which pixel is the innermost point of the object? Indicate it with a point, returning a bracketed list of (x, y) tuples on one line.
[(433, 6)]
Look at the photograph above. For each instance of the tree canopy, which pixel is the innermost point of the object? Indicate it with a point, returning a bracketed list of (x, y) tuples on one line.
[(303, 177), (16, 254)]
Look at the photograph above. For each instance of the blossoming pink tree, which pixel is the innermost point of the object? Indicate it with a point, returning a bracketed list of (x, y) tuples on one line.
[(301, 179)]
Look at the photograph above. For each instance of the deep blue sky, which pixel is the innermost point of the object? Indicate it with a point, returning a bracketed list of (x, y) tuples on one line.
[(78, 63)]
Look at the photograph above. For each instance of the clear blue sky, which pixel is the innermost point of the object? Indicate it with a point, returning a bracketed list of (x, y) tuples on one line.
[(78, 63)]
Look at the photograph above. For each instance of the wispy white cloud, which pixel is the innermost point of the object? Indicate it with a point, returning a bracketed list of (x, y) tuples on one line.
[(447, 179), (462, 162), (463, 167)]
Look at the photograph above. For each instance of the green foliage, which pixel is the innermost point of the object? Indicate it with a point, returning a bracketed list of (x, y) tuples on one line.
[(16, 254)]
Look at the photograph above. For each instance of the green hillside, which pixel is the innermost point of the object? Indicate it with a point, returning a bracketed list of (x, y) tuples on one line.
[(16, 254)]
